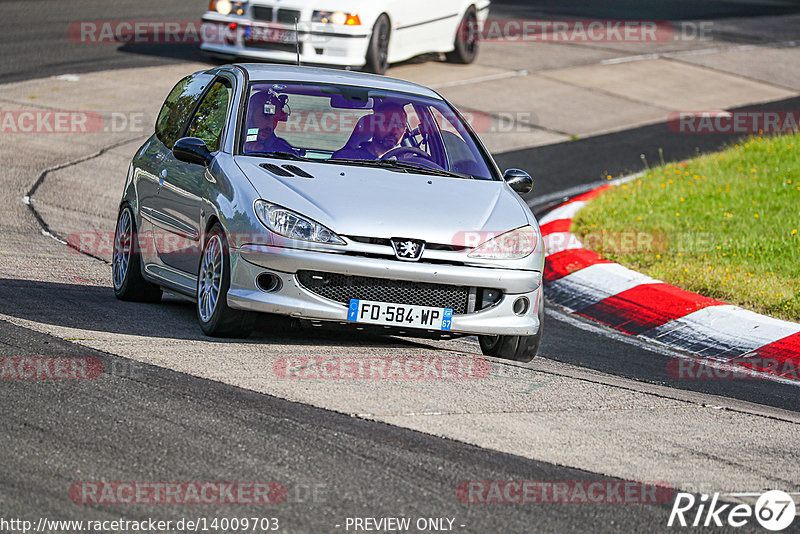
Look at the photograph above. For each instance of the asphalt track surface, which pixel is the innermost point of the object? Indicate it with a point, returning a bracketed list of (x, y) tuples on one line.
[(158, 424), (155, 424)]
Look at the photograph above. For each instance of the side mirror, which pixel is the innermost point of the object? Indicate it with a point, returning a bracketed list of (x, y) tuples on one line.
[(192, 150), (520, 181)]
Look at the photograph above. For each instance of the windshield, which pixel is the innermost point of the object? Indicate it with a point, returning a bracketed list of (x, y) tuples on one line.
[(361, 126)]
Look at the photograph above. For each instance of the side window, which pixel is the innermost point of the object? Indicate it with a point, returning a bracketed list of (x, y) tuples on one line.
[(179, 104), (209, 121)]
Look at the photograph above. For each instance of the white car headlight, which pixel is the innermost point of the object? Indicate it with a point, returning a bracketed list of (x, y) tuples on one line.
[(293, 225), (340, 18), (513, 245), (227, 7)]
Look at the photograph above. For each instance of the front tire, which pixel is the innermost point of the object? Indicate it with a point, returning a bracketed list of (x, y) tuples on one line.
[(466, 42), (216, 318), (516, 348), (126, 263), (378, 52)]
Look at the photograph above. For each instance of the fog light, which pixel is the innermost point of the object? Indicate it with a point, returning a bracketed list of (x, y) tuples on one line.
[(489, 297), (521, 306), (268, 283)]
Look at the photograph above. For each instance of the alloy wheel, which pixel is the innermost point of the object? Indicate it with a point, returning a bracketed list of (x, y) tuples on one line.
[(210, 280), (123, 247)]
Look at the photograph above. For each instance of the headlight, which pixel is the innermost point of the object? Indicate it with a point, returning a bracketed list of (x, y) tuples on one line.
[(513, 245), (340, 18), (226, 7), (293, 225)]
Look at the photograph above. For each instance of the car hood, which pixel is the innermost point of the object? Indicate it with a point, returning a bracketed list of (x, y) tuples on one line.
[(369, 202)]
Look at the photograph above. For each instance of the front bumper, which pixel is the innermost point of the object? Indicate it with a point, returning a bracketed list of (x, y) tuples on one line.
[(248, 262), (340, 46)]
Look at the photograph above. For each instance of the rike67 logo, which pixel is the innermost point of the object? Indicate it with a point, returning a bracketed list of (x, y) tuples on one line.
[(774, 510)]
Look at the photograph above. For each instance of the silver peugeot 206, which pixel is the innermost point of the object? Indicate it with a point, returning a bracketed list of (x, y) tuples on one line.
[(329, 197)]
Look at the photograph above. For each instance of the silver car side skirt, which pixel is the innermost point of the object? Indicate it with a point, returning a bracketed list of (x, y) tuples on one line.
[(172, 279)]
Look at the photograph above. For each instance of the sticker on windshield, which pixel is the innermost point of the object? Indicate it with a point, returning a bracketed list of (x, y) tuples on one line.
[(251, 138), (252, 131)]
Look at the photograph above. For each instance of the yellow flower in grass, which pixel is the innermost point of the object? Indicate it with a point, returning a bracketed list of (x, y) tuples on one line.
[(794, 231)]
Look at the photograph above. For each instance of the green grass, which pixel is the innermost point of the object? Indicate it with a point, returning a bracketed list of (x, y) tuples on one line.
[(725, 225)]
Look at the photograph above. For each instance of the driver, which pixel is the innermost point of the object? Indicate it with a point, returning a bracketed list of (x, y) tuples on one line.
[(388, 125), (267, 109)]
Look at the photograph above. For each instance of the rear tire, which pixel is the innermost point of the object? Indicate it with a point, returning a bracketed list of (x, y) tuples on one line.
[(126, 263), (216, 318), (466, 42), (516, 348), (378, 52)]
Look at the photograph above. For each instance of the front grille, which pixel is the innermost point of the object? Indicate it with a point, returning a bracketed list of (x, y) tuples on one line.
[(262, 13), (341, 288), (278, 47), (288, 16), (388, 243)]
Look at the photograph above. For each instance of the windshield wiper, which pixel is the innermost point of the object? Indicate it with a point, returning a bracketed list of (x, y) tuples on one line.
[(365, 162), (398, 166), (428, 170), (279, 155)]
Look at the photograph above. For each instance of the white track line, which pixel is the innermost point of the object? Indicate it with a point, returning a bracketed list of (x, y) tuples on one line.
[(699, 52), (489, 78)]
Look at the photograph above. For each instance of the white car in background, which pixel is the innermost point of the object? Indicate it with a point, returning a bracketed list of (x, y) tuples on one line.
[(366, 34)]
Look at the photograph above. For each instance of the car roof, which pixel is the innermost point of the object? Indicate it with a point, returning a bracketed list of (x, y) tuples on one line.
[(291, 73)]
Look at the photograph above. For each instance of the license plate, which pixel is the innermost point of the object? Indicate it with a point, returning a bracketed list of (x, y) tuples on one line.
[(406, 315), (268, 34)]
